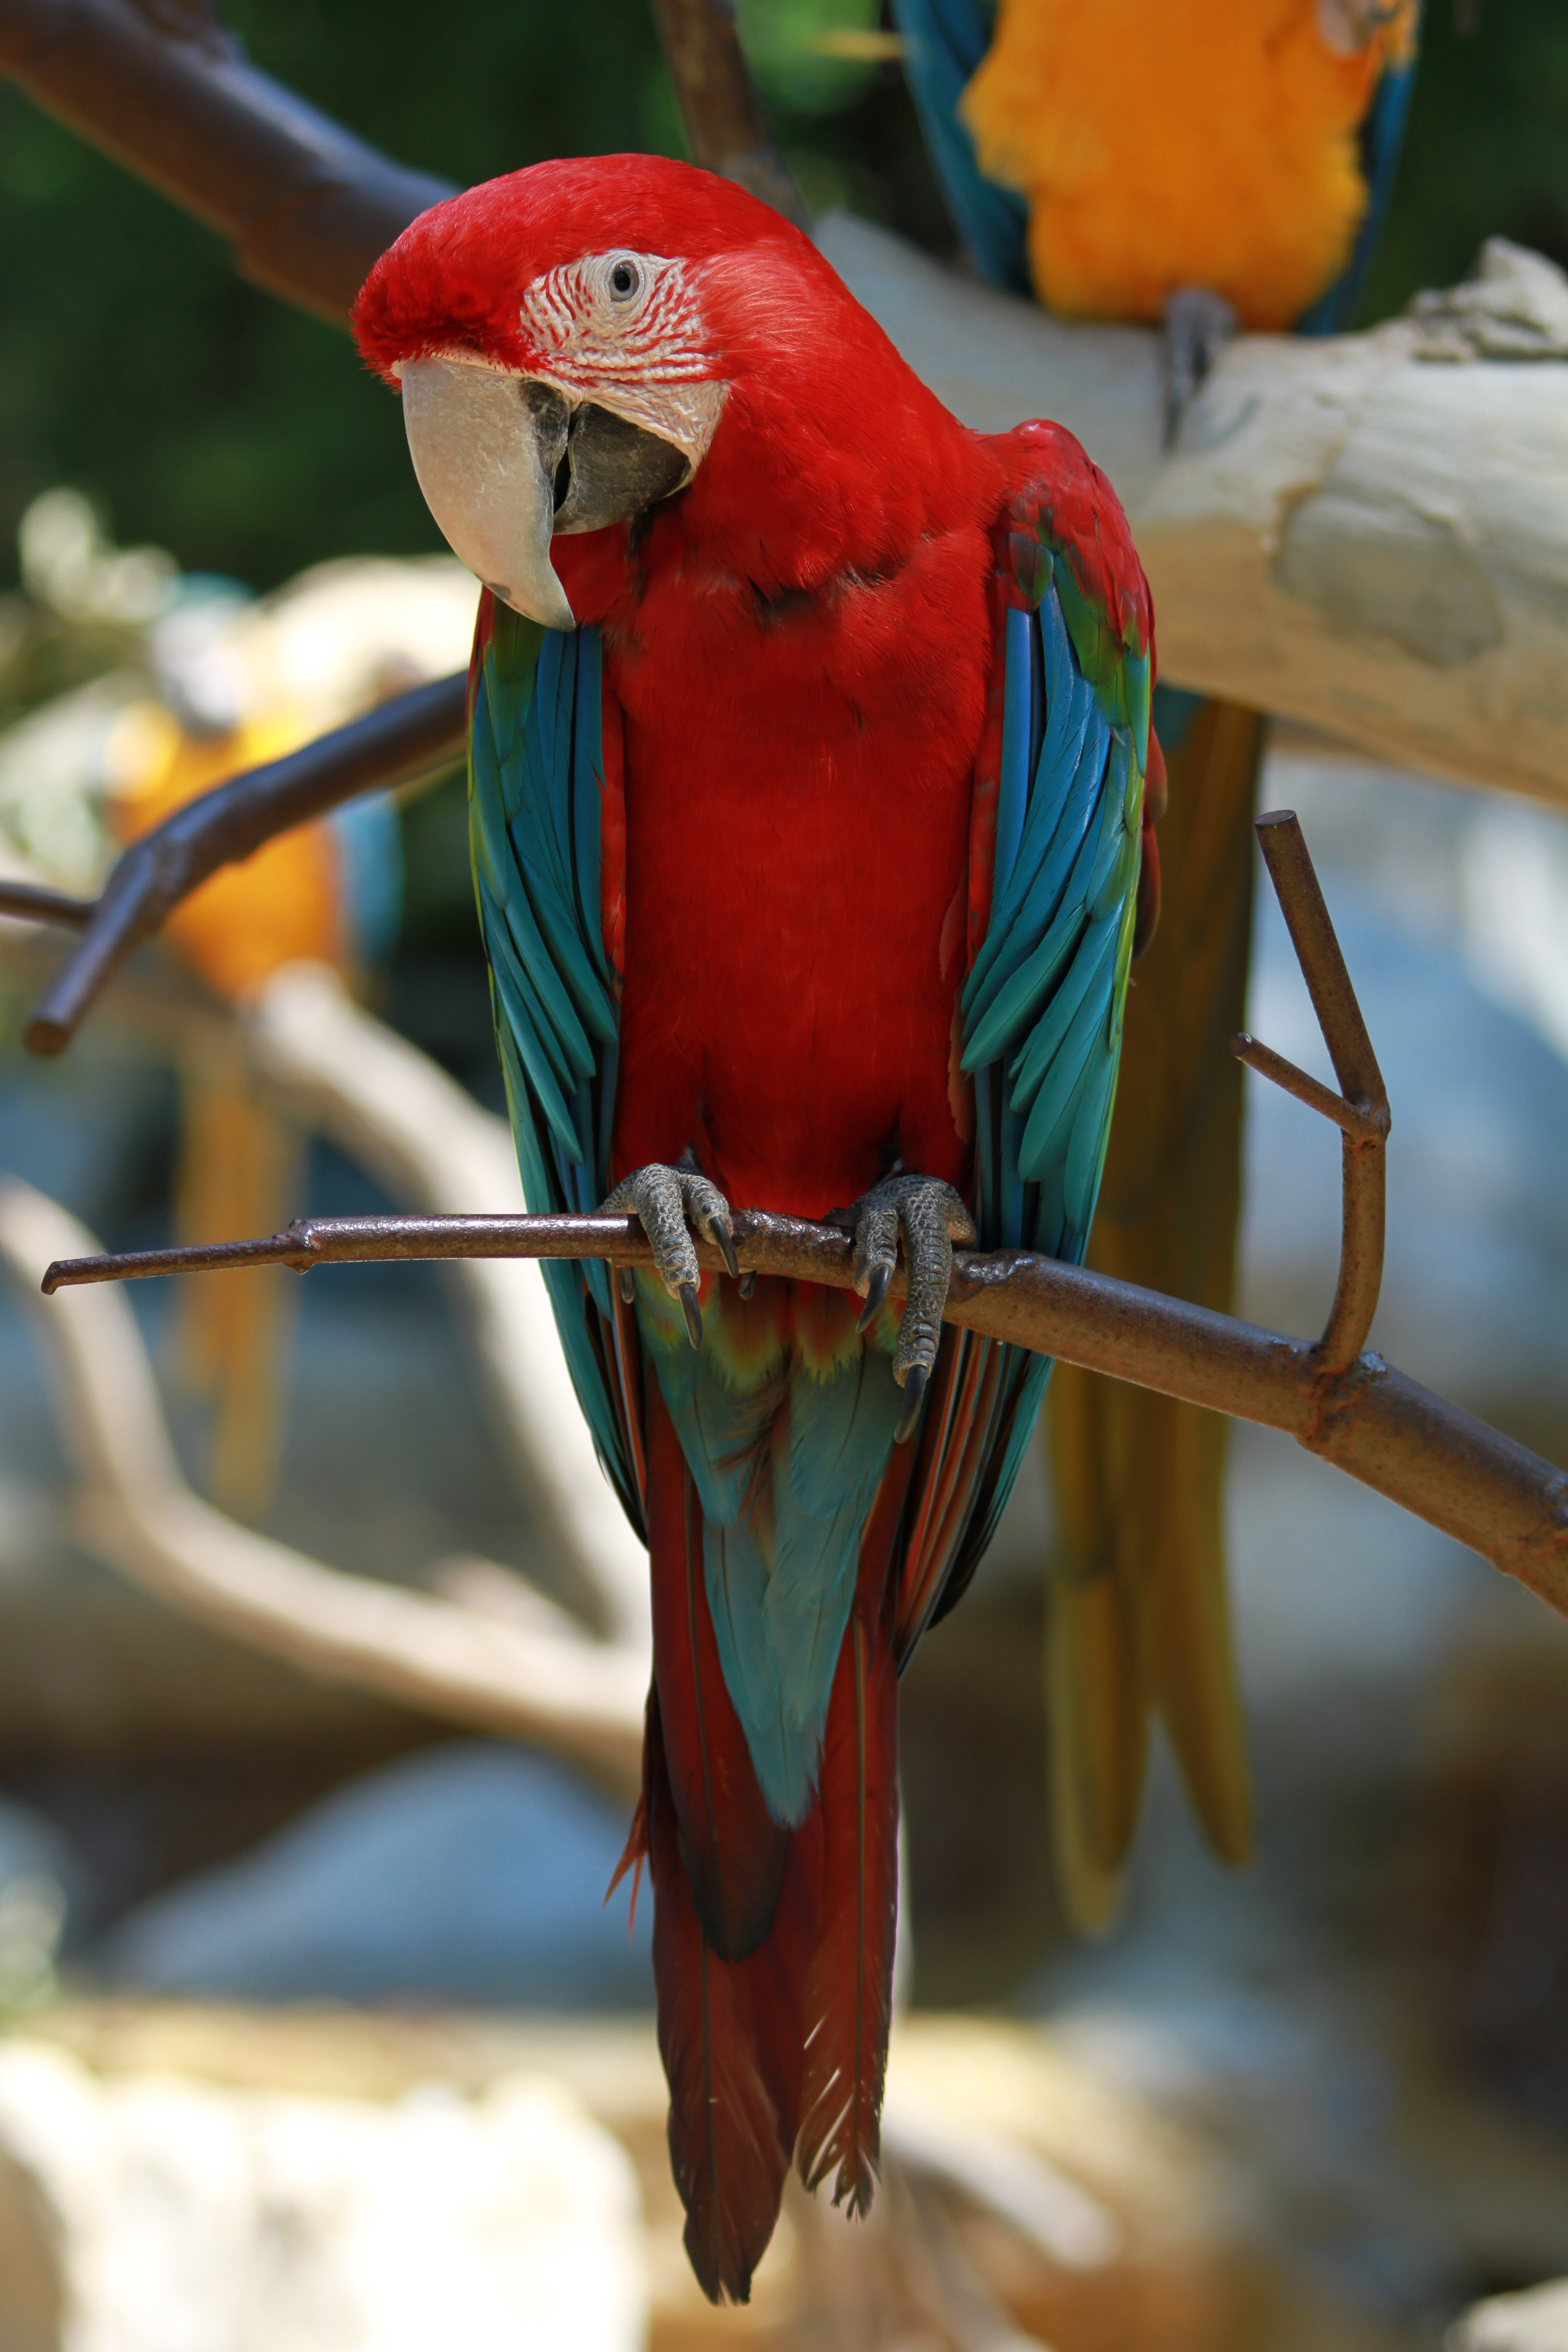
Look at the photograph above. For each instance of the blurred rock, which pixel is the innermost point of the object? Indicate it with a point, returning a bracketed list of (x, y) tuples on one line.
[(469, 1874), (155, 2215), (1026, 2199), (39, 1879), (1536, 2321)]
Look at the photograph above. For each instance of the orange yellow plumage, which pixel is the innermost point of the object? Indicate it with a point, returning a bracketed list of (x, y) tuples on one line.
[(1212, 142), (241, 1167), (281, 904)]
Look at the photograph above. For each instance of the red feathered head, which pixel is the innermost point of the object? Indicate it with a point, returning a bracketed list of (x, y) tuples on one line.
[(570, 340)]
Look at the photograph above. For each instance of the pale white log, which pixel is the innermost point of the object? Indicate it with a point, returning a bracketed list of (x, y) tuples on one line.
[(437, 1150), (581, 1696), (1369, 533)]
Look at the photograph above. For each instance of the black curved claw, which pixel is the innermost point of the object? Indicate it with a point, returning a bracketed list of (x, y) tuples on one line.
[(876, 1291), (748, 1283), (692, 1312), (629, 1284), (723, 1241), (914, 1396)]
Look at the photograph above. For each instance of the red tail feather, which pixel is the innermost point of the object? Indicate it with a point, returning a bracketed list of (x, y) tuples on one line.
[(849, 1989), (733, 1850), (633, 1853), (731, 2034)]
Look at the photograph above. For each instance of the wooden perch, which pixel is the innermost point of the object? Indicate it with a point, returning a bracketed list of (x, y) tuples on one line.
[(1369, 534), (582, 1697)]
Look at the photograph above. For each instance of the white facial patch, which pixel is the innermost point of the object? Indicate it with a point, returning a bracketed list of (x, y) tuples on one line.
[(624, 329)]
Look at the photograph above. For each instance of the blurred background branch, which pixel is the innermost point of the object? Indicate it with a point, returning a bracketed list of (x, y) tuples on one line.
[(548, 1682)]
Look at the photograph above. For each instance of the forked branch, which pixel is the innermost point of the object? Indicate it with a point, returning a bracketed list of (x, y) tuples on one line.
[(1440, 1463), (1360, 1111)]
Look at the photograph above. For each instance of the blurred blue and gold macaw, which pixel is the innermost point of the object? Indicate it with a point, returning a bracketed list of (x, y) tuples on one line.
[(328, 892), (1216, 162)]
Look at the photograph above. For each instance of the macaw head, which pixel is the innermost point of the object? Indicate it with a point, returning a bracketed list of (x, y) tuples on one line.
[(576, 341)]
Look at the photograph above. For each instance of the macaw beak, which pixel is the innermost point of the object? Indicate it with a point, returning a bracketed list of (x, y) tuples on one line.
[(505, 461)]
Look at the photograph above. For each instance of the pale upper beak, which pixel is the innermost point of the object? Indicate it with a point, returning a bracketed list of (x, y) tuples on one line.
[(505, 461)]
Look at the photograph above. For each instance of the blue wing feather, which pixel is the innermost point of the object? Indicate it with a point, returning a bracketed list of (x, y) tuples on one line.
[(1382, 138), (1041, 1011), (536, 766)]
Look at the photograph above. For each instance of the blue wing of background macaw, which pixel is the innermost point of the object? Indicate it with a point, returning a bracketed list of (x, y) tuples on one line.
[(1041, 1016), (1382, 136), (944, 42)]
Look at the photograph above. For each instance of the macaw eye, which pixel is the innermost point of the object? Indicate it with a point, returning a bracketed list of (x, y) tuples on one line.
[(624, 281)]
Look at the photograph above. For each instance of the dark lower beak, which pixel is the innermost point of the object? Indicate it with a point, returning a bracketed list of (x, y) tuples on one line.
[(506, 462), (603, 469)]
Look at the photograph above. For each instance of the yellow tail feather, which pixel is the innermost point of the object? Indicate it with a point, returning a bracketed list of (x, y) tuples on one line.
[(1138, 1621), (239, 1173)]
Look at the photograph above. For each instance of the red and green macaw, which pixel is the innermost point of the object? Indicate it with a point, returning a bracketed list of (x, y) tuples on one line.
[(809, 733), (1201, 166)]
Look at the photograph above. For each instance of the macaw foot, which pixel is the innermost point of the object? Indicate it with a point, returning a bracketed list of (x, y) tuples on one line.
[(1199, 325), (931, 1216), (662, 1199)]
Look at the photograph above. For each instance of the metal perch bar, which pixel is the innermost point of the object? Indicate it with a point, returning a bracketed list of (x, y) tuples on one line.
[(1438, 1462), (404, 736)]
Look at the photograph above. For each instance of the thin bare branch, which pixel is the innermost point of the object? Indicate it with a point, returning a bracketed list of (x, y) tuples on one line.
[(1305, 1088), (404, 736), (1364, 1113), (581, 1696), (33, 902), (1440, 1463)]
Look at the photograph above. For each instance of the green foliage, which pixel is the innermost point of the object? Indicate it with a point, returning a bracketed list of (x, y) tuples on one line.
[(1486, 152), (797, 50)]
